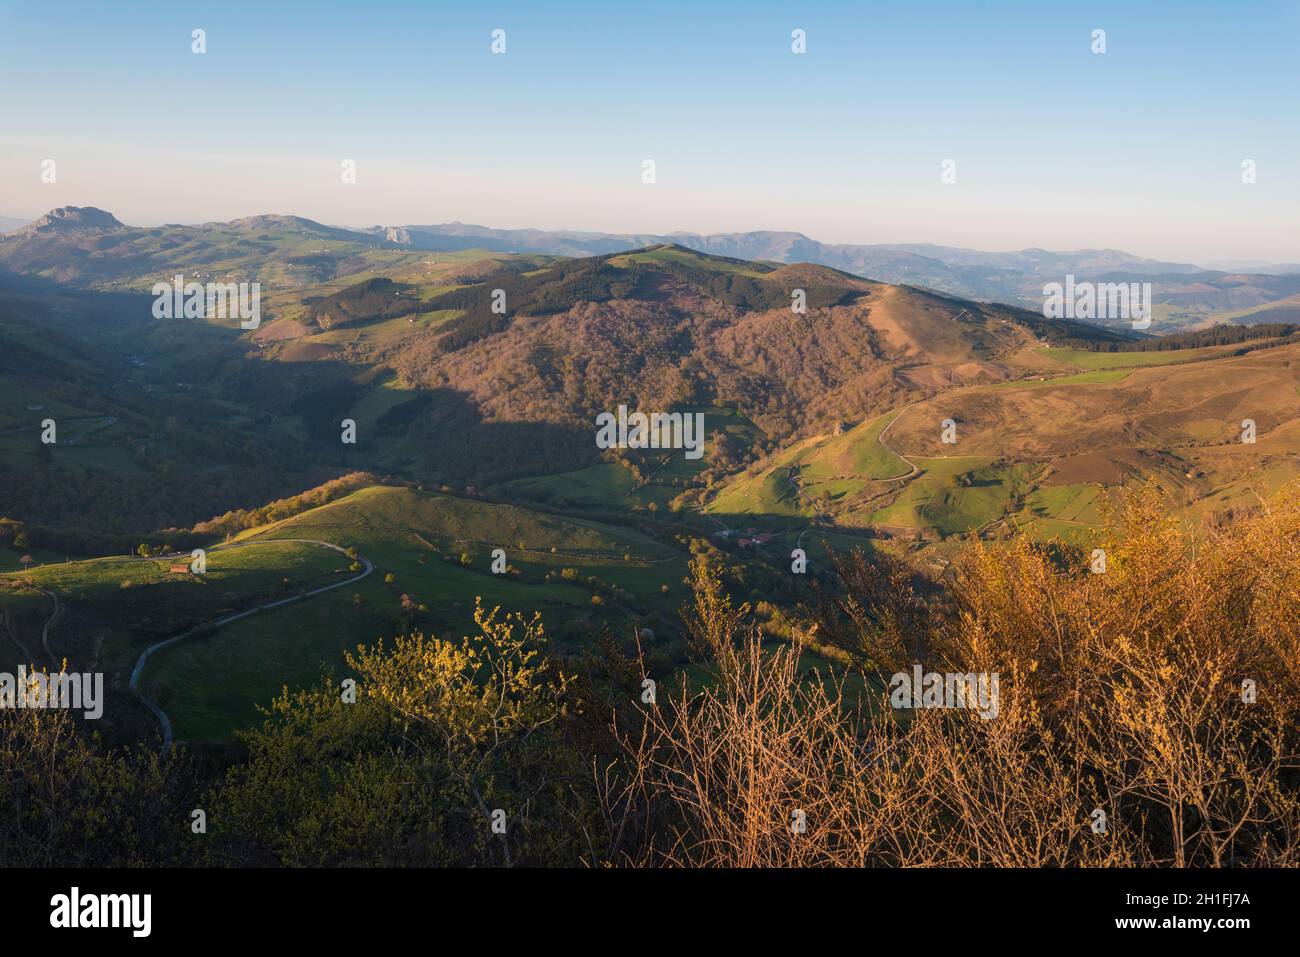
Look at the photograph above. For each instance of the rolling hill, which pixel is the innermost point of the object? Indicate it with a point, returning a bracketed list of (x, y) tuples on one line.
[(1039, 452), (472, 378), (431, 553), (1189, 295)]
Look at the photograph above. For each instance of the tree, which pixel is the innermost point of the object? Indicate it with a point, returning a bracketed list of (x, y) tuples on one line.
[(68, 801), (1131, 692), (442, 734)]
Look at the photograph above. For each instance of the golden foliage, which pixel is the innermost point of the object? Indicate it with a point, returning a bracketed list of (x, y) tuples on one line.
[(1126, 692)]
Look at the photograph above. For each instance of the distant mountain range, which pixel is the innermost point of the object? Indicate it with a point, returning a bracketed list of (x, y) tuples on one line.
[(1190, 293), (1253, 265), (81, 244), (777, 246), (796, 247)]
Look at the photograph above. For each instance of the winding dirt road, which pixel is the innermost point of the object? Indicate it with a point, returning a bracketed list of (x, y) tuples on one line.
[(49, 623), (138, 671)]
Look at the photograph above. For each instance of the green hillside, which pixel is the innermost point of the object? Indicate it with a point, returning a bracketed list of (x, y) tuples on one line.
[(828, 467), (114, 608), (576, 571)]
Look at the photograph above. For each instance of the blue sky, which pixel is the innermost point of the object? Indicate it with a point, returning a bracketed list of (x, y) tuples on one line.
[(1139, 148)]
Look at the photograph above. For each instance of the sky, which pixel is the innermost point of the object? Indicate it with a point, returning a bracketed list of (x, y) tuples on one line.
[(1138, 148)]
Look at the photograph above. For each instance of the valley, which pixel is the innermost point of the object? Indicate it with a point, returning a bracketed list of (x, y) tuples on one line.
[(884, 417)]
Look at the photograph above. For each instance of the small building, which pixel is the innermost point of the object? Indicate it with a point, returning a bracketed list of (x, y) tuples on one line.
[(178, 569)]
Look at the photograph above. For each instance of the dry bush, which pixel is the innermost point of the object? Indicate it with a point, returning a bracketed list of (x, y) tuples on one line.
[(1120, 691)]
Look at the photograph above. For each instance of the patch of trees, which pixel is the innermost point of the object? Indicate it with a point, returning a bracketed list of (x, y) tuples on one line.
[(751, 294), (554, 290), (238, 520), (1222, 334), (322, 409), (97, 512), (404, 413), (1068, 332), (370, 301), (562, 287)]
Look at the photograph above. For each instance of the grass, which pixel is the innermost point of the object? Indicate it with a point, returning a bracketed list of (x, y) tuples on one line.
[(833, 466), (1069, 513), (10, 558), (677, 254), (768, 493), (1096, 376), (932, 500), (15, 414), (1130, 360), (857, 453), (606, 486), (1072, 503), (818, 543), (396, 526), (241, 571), (984, 495), (609, 486), (387, 395), (117, 606), (211, 685)]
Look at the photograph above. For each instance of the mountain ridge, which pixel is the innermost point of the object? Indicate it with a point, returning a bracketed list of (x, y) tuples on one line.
[(88, 245)]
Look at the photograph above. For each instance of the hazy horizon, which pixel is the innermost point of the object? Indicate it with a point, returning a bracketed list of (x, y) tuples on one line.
[(360, 227)]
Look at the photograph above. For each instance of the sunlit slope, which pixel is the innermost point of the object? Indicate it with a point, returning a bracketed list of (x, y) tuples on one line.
[(383, 519), (826, 466), (113, 608), (1160, 408), (1039, 453), (433, 557)]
